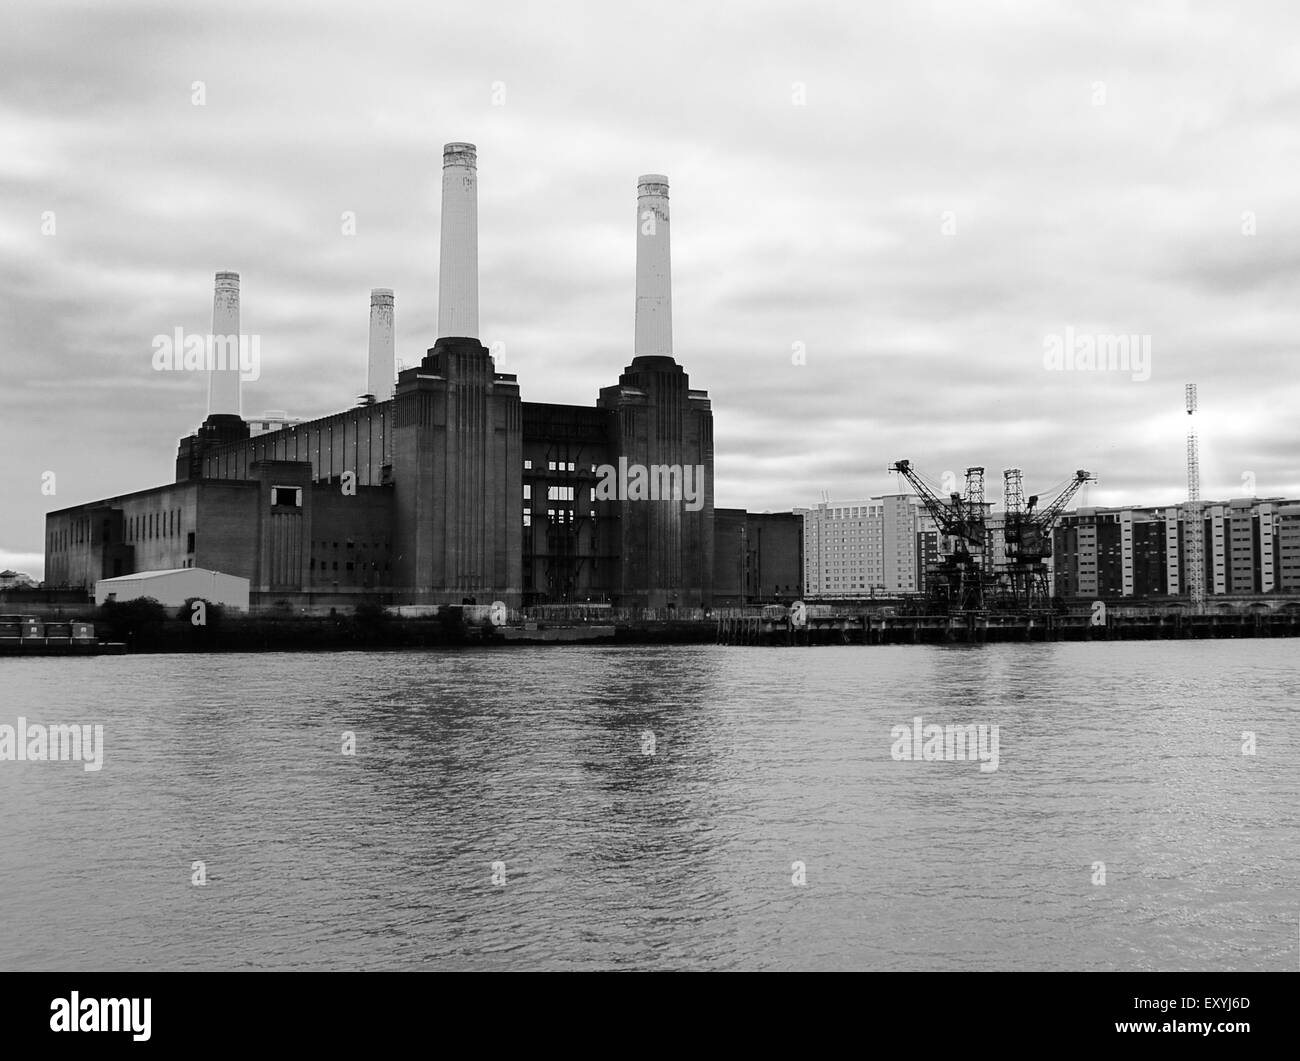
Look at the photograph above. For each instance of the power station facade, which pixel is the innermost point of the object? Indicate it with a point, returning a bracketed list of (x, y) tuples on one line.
[(444, 485)]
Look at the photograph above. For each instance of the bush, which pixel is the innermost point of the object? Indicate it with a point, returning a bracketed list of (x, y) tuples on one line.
[(125, 620), (369, 613), (132, 613)]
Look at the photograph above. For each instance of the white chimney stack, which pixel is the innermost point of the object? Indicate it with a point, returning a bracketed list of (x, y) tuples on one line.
[(654, 292), (223, 373), (458, 271), (381, 369)]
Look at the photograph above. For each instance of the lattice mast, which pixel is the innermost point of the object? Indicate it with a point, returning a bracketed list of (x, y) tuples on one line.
[(1193, 525)]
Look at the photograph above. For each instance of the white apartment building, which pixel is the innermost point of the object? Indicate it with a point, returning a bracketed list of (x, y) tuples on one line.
[(861, 548)]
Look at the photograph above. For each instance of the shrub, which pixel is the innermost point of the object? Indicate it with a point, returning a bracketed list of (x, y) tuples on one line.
[(370, 614)]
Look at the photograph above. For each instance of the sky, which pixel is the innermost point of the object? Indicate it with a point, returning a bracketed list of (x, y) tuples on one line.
[(885, 219)]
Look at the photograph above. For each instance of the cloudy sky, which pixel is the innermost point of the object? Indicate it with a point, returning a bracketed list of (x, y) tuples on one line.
[(911, 198)]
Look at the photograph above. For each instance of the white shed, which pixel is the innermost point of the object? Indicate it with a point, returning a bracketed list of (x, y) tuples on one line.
[(173, 588)]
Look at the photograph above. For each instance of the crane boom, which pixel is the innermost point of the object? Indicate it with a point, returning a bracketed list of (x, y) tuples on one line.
[(960, 518), (1047, 518), (940, 511)]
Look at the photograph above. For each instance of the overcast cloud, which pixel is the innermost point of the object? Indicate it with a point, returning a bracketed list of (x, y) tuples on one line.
[(919, 194)]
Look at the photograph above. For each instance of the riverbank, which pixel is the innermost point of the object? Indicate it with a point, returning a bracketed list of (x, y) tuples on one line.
[(451, 628)]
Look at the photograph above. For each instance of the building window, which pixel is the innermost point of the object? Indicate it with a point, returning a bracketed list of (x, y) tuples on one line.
[(286, 497), (189, 542), (528, 491), (528, 466)]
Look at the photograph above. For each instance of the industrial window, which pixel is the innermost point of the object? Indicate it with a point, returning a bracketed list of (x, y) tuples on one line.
[(528, 466), (528, 491), (286, 496), (189, 542), (550, 466)]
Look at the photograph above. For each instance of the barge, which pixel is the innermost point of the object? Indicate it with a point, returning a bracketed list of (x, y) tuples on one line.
[(27, 635)]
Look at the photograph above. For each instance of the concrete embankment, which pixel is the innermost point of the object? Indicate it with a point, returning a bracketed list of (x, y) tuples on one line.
[(868, 629), (142, 630)]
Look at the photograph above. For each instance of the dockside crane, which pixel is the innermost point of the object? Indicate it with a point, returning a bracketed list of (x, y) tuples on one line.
[(956, 583), (1027, 534)]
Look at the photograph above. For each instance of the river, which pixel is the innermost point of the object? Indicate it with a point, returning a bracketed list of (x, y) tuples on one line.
[(694, 807)]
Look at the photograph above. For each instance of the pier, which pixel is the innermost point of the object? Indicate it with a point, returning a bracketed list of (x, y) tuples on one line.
[(865, 628)]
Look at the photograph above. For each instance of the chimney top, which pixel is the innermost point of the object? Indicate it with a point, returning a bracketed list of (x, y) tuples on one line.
[(381, 294), (228, 278), (652, 184), (459, 154)]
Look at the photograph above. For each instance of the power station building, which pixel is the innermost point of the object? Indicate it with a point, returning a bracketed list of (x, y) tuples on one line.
[(444, 486)]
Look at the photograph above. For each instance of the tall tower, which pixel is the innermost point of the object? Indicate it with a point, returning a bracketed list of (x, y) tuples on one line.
[(458, 272), (659, 423), (225, 422), (457, 434), (380, 373), (223, 374), (1193, 525), (654, 285)]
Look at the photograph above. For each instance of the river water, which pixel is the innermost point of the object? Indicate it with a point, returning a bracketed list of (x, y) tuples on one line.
[(653, 808)]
